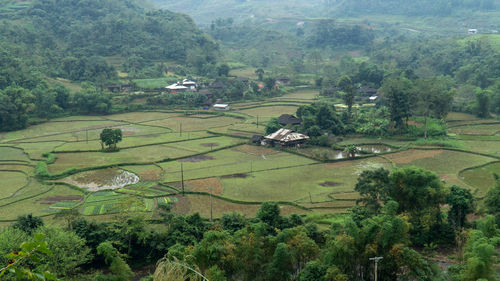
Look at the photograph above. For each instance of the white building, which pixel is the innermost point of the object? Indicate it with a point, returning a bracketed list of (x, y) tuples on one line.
[(221, 106), (472, 31)]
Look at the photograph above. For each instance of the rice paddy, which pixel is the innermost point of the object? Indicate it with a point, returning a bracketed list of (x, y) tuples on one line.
[(164, 154)]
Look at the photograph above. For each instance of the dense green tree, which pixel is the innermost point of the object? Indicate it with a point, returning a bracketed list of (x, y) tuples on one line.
[(15, 105), (233, 222), (482, 103), (433, 98), (223, 69), (492, 200), (347, 87), (462, 204), (269, 212), (373, 185), (110, 137), (272, 126), (397, 92), (260, 73), (281, 265), (118, 267), (28, 223), (216, 248)]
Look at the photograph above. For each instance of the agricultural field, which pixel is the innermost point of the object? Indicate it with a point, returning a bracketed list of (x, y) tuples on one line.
[(178, 159)]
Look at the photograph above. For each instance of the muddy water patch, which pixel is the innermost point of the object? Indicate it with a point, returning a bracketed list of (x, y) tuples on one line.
[(111, 178), (374, 148)]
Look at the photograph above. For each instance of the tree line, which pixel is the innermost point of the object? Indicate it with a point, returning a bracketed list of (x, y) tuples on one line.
[(398, 212)]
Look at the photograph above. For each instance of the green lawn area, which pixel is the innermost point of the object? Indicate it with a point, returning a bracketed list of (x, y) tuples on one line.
[(155, 83), (39, 204), (238, 160), (147, 154), (11, 182), (447, 164), (36, 149), (57, 128), (190, 124), (306, 94), (483, 146), (489, 130), (295, 184), (138, 117), (132, 141), (481, 178), (11, 153), (268, 112)]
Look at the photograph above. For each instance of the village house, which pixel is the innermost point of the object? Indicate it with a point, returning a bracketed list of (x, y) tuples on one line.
[(472, 31), (288, 119), (221, 107), (176, 88), (285, 137), (189, 84)]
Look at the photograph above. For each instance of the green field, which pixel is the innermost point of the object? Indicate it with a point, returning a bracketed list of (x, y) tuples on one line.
[(241, 175), (481, 177)]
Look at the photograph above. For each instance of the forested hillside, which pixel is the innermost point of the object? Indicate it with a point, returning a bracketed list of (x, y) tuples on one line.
[(70, 38), (75, 40), (205, 11)]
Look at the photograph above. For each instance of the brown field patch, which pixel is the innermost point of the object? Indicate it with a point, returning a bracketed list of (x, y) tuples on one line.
[(54, 199), (210, 144), (255, 150), (411, 155), (150, 175), (329, 183), (237, 176), (198, 158), (203, 185)]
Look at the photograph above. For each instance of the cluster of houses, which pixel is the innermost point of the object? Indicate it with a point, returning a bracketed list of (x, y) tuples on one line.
[(186, 85)]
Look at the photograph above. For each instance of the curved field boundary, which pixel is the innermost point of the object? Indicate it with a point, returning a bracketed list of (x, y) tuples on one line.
[(28, 182), (62, 133), (475, 124), (133, 146), (73, 171), (476, 167), (29, 197), (456, 150), (18, 148), (242, 202)]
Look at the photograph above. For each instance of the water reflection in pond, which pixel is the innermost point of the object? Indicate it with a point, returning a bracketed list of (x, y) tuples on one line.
[(374, 148)]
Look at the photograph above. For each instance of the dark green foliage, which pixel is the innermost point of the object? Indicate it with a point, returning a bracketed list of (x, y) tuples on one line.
[(118, 267), (28, 223), (328, 33), (492, 200), (322, 116), (313, 271), (223, 69), (398, 93), (482, 104), (419, 193), (15, 105), (281, 266), (372, 186), (269, 212), (110, 137), (272, 126), (233, 222), (462, 204)]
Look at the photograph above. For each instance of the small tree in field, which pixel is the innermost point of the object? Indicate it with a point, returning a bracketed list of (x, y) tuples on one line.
[(110, 137)]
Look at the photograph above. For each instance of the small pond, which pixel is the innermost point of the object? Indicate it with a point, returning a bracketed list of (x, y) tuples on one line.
[(111, 178), (375, 148)]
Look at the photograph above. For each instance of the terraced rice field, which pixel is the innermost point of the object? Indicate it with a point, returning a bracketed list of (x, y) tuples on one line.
[(165, 153)]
